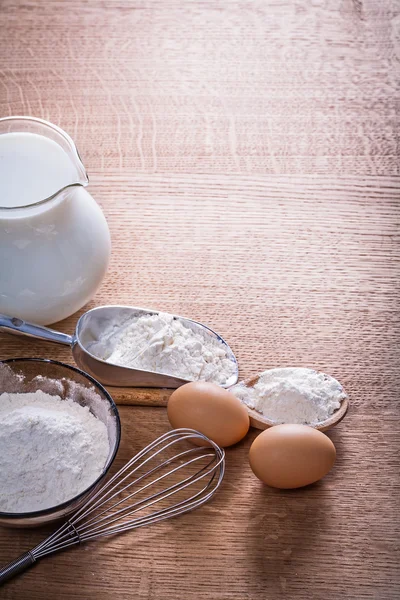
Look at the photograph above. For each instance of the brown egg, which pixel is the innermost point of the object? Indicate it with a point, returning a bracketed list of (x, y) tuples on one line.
[(210, 409), (291, 456)]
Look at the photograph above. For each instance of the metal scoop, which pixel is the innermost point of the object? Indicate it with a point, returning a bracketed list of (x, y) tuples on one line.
[(88, 330)]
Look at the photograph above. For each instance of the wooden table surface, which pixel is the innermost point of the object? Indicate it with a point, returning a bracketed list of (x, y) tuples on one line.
[(246, 157)]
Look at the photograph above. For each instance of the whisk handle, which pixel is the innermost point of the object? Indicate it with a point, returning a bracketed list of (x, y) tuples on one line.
[(16, 566)]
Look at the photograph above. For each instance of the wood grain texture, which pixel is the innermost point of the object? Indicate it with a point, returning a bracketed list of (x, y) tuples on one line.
[(246, 157), (202, 86)]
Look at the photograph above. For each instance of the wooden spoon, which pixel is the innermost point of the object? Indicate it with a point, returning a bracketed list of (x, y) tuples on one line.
[(259, 421)]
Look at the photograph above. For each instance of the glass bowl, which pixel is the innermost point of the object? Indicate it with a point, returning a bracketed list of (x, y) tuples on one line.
[(19, 375)]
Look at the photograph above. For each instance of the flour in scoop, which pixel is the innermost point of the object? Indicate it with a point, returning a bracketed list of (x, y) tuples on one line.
[(293, 395), (51, 450), (164, 344)]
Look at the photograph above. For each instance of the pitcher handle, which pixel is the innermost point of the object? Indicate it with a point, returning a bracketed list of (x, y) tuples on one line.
[(19, 327)]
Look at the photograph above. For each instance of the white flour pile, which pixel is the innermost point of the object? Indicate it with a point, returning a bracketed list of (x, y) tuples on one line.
[(293, 395), (166, 345), (50, 450)]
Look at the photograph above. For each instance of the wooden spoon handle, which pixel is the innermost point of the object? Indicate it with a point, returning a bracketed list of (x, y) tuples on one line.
[(140, 396)]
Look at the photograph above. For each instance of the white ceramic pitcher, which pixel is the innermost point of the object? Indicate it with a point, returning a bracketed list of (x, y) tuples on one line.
[(54, 250)]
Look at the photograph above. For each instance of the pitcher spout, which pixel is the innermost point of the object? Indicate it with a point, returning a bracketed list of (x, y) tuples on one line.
[(83, 178), (36, 151)]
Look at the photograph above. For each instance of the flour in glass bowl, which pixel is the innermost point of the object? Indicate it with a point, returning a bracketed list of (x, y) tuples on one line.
[(51, 450)]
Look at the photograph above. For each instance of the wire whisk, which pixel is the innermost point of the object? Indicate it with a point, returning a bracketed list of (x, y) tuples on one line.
[(162, 481)]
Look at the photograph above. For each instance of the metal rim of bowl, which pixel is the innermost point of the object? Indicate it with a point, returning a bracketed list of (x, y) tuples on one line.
[(52, 509)]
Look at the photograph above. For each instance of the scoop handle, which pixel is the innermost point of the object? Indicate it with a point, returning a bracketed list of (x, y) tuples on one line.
[(16, 566), (19, 327)]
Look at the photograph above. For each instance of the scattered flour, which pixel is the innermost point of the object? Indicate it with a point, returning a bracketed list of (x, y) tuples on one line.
[(50, 450), (163, 344), (293, 395)]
